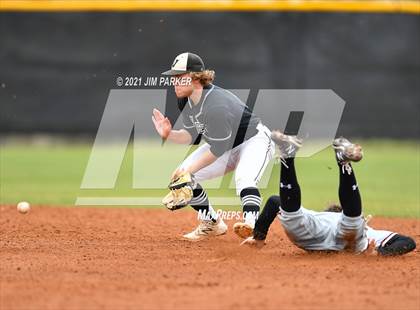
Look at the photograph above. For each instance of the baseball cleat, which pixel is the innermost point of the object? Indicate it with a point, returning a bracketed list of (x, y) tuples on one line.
[(207, 229), (254, 243), (243, 230), (345, 151), (288, 145)]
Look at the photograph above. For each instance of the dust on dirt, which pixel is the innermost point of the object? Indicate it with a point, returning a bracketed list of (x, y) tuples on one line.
[(121, 258)]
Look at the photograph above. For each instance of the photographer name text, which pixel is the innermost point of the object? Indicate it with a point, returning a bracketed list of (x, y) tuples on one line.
[(152, 81)]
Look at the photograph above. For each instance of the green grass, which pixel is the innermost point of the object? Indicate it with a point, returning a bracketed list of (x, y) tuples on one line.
[(388, 176)]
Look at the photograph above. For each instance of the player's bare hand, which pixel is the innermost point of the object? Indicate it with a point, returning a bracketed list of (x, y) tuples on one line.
[(371, 249), (162, 124), (251, 242)]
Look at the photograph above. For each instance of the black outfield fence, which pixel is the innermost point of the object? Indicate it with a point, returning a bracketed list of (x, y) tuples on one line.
[(56, 69)]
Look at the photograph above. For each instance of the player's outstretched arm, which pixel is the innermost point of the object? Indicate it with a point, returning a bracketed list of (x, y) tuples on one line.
[(266, 218), (263, 223), (180, 136), (164, 128), (206, 159)]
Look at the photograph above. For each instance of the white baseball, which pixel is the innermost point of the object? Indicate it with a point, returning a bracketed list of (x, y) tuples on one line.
[(23, 207)]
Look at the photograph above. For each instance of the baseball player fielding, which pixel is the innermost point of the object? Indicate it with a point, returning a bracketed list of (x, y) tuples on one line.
[(235, 140)]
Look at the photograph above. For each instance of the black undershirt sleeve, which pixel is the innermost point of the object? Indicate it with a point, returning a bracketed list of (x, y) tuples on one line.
[(266, 218)]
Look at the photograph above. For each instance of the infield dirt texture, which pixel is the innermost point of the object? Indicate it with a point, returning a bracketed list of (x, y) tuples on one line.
[(98, 258)]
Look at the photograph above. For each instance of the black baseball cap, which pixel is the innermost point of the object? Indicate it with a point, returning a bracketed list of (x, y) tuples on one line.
[(186, 62)]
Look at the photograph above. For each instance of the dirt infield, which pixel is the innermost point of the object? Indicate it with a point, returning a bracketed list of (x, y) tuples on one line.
[(98, 258)]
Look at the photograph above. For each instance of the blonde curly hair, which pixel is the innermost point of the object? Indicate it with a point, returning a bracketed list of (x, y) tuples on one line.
[(205, 77)]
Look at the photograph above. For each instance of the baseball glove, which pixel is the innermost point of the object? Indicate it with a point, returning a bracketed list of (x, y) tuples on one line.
[(181, 192)]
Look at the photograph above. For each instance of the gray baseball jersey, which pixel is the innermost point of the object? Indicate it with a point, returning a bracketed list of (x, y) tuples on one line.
[(311, 230), (220, 118)]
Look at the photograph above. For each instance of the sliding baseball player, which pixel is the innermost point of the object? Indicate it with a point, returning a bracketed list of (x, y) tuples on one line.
[(337, 229), (235, 139)]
